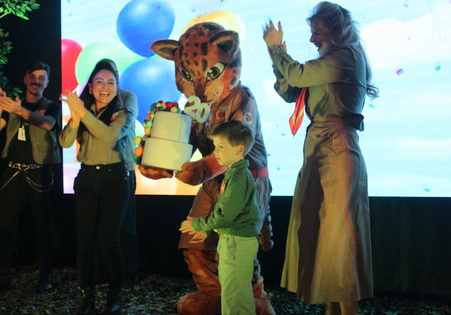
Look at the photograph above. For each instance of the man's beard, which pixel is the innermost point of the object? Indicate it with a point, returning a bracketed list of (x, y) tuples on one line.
[(38, 90)]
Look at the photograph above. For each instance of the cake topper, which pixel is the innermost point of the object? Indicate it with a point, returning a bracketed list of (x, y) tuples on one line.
[(198, 111)]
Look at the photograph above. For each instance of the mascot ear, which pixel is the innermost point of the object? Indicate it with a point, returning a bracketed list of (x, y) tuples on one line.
[(228, 41), (165, 48)]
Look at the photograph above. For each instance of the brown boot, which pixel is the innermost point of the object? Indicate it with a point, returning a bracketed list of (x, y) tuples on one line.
[(115, 302), (262, 303), (204, 269), (45, 274)]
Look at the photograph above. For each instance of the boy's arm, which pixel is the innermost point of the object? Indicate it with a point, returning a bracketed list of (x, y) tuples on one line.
[(226, 210), (199, 237), (187, 227)]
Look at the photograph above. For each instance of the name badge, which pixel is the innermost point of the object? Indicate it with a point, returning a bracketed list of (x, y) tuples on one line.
[(21, 134)]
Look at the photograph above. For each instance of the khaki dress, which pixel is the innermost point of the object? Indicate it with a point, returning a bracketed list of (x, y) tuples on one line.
[(328, 250)]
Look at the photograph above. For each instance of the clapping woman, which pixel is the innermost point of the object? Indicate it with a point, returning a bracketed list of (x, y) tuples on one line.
[(100, 125), (328, 253)]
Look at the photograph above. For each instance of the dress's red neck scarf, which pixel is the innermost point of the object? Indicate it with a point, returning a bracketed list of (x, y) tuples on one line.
[(298, 114)]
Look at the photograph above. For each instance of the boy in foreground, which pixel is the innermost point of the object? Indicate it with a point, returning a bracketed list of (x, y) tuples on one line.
[(234, 218)]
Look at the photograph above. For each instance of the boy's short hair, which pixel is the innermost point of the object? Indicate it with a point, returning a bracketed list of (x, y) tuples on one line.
[(38, 65), (236, 132)]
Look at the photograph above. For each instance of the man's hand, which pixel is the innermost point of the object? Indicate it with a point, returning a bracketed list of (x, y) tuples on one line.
[(2, 122), (154, 173), (15, 107), (9, 105)]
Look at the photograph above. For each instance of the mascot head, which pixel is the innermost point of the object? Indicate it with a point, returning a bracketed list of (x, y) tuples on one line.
[(207, 61)]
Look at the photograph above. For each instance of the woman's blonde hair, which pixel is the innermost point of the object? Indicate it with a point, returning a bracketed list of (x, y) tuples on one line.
[(344, 33)]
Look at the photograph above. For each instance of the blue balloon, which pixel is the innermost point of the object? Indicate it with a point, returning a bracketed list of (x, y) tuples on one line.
[(141, 22), (151, 79)]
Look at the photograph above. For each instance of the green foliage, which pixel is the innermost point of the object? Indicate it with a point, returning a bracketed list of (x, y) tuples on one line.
[(5, 46), (19, 8), (5, 49)]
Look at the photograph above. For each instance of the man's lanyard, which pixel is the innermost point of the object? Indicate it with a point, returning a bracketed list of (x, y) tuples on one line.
[(21, 132)]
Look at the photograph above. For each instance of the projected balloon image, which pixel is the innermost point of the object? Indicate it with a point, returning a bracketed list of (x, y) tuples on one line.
[(92, 53), (141, 22), (151, 79), (70, 50)]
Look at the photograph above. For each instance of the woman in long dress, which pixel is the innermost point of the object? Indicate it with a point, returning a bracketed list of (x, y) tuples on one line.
[(328, 253)]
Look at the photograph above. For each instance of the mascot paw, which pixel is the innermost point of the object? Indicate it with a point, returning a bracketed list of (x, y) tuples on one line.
[(263, 306), (154, 173), (198, 172), (199, 303)]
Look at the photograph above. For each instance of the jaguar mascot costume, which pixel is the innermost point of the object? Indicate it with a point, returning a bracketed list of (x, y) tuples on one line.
[(208, 65)]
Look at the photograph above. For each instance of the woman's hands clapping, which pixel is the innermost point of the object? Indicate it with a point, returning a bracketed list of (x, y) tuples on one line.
[(76, 106)]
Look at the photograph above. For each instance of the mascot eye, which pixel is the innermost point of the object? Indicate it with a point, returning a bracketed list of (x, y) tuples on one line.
[(185, 75), (215, 71)]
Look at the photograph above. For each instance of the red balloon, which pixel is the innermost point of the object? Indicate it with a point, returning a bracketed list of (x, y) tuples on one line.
[(70, 50)]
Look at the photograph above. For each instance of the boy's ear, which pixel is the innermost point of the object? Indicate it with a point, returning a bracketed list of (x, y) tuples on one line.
[(240, 149)]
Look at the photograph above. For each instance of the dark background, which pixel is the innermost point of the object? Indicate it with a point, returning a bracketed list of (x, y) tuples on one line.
[(411, 236)]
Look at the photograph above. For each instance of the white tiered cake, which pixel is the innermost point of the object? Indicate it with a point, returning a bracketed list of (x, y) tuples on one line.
[(168, 146)]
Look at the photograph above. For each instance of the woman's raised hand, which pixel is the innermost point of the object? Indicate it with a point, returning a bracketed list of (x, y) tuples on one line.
[(273, 36), (76, 107)]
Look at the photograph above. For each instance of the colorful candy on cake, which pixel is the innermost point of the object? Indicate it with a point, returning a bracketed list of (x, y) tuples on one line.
[(165, 144), (172, 107)]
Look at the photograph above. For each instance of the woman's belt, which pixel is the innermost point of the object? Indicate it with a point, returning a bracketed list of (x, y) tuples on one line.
[(102, 167), (333, 122)]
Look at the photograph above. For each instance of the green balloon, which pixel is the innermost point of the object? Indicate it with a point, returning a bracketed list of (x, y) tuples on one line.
[(111, 49)]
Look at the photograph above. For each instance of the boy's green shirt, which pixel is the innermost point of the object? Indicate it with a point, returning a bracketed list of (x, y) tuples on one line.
[(236, 212)]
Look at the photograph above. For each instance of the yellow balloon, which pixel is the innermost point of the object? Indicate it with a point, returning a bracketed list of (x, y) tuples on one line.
[(227, 19)]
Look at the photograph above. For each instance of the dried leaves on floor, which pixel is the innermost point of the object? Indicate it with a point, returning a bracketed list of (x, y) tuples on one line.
[(156, 294)]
